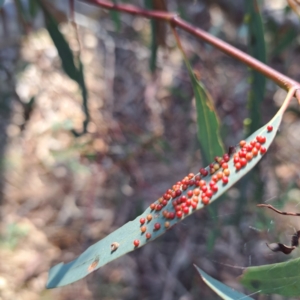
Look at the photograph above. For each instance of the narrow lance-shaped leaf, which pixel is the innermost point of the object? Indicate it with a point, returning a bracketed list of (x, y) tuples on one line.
[(72, 67), (115, 15), (282, 278), (257, 47), (195, 191), (224, 291), (207, 119)]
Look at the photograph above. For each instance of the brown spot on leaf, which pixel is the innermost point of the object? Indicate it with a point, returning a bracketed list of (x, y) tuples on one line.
[(114, 246), (93, 265)]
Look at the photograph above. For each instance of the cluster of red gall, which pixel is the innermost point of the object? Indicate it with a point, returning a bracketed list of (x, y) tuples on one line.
[(199, 188), (250, 150)]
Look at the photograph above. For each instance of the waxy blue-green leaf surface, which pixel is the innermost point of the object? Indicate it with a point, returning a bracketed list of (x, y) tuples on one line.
[(282, 278), (224, 291), (100, 253)]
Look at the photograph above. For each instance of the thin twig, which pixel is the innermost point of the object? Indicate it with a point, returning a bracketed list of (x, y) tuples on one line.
[(280, 79), (279, 211)]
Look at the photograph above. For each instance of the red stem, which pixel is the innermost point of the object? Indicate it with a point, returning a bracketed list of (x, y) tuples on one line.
[(283, 81)]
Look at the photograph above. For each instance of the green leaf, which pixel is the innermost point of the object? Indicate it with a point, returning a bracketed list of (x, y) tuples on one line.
[(33, 8), (282, 278), (257, 49), (153, 43), (72, 67), (115, 15), (100, 253), (224, 291), (284, 39)]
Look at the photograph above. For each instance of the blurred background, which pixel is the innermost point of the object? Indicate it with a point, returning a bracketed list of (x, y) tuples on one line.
[(75, 166)]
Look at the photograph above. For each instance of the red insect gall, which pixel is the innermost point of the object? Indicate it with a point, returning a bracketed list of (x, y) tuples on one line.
[(191, 175), (178, 192), (242, 153), (197, 178), (226, 172), (203, 172), (171, 215), (190, 193), (249, 156), (149, 218), (142, 220), (219, 175), (254, 152), (243, 161), (178, 207), (236, 159), (212, 183), (179, 214), (143, 229), (184, 187), (185, 210), (167, 196), (191, 182), (158, 207), (204, 189), (225, 180), (209, 193), (262, 140), (257, 146), (195, 199), (238, 166), (205, 200), (215, 178), (167, 224), (214, 188), (269, 128), (249, 148), (136, 243), (225, 165), (202, 183), (183, 205), (148, 235), (226, 157), (196, 192), (164, 202), (194, 205), (263, 150), (188, 202), (156, 226), (152, 206), (242, 143)]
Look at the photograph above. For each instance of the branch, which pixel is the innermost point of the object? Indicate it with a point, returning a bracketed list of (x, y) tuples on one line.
[(279, 211), (280, 79)]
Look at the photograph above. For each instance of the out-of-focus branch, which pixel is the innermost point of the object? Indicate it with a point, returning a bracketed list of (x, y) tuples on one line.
[(283, 81)]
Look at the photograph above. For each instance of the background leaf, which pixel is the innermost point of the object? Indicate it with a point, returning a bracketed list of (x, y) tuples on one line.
[(282, 278), (115, 15), (72, 67), (100, 253), (257, 49), (224, 291), (1, 3)]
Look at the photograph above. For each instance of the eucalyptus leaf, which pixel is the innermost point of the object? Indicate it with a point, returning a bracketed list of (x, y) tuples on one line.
[(224, 291), (281, 278), (101, 253)]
